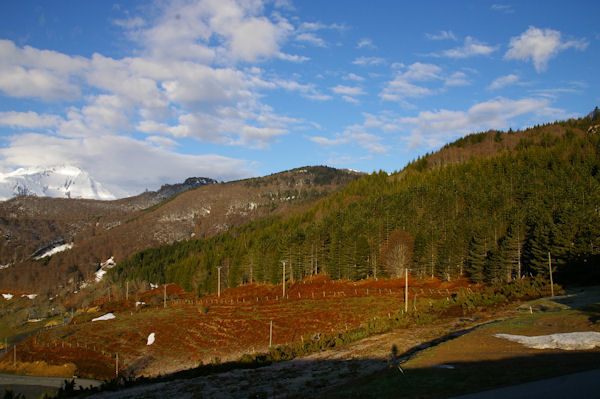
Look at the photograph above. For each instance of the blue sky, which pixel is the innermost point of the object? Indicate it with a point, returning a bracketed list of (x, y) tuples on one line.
[(145, 93)]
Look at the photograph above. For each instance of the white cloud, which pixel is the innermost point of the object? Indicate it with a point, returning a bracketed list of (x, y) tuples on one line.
[(471, 47), (316, 26), (258, 136), (457, 79), (505, 8), (31, 73), (362, 134), (369, 61), (191, 78), (292, 57), (120, 77), (309, 91), (306, 32), (350, 99), (188, 31), (352, 76), (162, 141), (256, 38), (422, 72), (348, 90), (107, 157), (312, 39), (130, 23), (503, 81), (365, 43), (443, 35), (539, 46), (402, 86), (367, 141), (435, 128), (29, 120)]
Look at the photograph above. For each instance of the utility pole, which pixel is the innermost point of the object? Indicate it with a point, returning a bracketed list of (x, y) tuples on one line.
[(550, 269), (405, 290), (219, 281), (283, 278)]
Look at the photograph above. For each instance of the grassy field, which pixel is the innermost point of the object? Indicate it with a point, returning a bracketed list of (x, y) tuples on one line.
[(479, 361)]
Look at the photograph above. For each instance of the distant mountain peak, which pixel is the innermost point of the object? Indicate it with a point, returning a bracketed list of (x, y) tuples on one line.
[(594, 114), (61, 181)]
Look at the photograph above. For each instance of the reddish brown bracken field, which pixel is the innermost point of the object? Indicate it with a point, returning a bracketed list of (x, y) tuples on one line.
[(192, 330)]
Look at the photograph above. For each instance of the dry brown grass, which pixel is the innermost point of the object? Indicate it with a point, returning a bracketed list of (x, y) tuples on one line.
[(38, 368)]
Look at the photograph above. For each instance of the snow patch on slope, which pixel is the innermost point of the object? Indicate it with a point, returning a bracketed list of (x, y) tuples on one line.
[(567, 341), (108, 316), (104, 267), (60, 182), (55, 250)]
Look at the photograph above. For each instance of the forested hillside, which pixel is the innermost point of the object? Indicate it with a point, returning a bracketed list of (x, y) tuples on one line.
[(491, 215), (100, 230)]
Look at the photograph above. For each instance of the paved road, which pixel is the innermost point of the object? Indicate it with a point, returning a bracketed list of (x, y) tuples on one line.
[(579, 385)]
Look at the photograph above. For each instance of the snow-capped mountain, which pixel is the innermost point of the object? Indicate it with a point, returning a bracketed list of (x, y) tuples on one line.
[(60, 182)]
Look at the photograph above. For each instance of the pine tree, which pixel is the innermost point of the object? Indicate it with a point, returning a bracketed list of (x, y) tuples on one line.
[(477, 257), (513, 251)]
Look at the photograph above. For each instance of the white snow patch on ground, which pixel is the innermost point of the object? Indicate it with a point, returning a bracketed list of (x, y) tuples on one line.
[(104, 266), (55, 250), (567, 341), (150, 339), (30, 296), (108, 316), (139, 304), (4, 266), (100, 274), (109, 263), (8, 297)]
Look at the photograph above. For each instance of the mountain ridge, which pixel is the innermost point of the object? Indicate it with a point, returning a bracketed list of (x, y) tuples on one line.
[(103, 229), (62, 181)]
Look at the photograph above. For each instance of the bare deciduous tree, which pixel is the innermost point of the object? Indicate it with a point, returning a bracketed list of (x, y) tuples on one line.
[(397, 254)]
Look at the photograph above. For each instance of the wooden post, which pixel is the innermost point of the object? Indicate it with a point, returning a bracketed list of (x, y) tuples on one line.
[(117, 366), (550, 269), (165, 296), (15, 355), (127, 291), (219, 281), (271, 334), (406, 290), (283, 277)]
